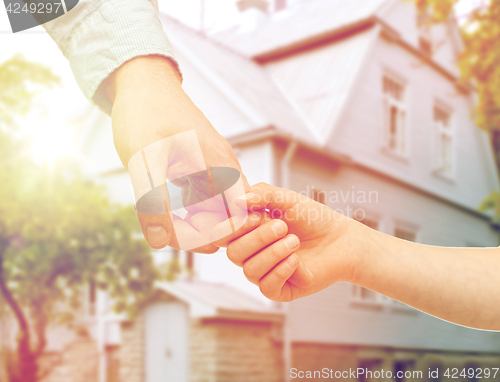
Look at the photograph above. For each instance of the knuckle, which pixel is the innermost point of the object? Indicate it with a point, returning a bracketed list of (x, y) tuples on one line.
[(277, 251), (231, 254), (259, 185), (260, 236), (279, 273), (265, 289), (249, 270)]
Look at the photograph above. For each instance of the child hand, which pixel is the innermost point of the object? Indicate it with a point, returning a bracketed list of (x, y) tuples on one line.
[(313, 250)]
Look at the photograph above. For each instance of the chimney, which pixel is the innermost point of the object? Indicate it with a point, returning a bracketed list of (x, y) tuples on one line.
[(252, 14), (244, 5)]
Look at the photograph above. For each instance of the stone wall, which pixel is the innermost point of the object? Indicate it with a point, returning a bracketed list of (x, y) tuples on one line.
[(220, 351), (315, 357), (79, 362), (131, 352), (245, 351)]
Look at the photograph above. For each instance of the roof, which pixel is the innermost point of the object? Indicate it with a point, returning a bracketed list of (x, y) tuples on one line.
[(300, 23), (246, 83), (211, 300)]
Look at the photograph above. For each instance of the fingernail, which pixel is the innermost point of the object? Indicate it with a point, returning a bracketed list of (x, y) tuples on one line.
[(157, 235), (279, 227), (312, 276), (292, 261), (292, 241), (253, 220), (246, 196)]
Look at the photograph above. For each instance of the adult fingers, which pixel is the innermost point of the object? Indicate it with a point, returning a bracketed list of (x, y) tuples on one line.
[(158, 229)]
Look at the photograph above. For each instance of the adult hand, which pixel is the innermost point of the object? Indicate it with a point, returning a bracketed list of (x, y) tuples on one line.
[(149, 105)]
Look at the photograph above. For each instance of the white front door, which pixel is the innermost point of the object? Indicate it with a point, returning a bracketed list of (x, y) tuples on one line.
[(167, 351)]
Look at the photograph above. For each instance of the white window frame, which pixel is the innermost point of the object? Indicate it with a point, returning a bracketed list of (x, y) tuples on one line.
[(277, 9), (318, 191), (442, 132), (405, 225), (401, 134), (378, 300)]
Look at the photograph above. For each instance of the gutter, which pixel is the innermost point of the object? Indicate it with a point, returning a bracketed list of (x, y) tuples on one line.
[(290, 152), (271, 133)]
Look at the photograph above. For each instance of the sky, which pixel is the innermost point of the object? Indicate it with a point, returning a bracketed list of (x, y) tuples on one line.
[(37, 46)]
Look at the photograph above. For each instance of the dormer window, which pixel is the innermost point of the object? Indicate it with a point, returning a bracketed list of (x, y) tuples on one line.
[(424, 22), (444, 142), (279, 5), (425, 45), (395, 126)]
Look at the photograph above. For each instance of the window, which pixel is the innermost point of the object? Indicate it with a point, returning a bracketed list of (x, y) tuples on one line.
[(405, 234), (472, 371), (443, 141), (361, 294), (369, 366), (113, 363), (369, 222), (318, 196), (394, 115), (403, 370), (279, 5), (190, 261), (424, 23), (425, 45)]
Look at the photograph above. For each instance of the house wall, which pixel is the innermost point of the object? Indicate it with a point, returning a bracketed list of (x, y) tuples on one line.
[(240, 352), (360, 132), (342, 358), (79, 362), (332, 316), (131, 351), (402, 16), (220, 351), (257, 163)]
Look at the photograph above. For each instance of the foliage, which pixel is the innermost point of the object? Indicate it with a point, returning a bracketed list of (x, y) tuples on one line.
[(59, 233), (480, 60), (480, 65), (492, 203), (20, 80)]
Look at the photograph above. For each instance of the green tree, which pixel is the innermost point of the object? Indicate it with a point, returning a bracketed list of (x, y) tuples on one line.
[(20, 80), (479, 65), (58, 233), (480, 60)]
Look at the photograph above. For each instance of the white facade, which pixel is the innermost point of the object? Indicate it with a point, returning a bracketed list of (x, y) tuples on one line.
[(329, 98)]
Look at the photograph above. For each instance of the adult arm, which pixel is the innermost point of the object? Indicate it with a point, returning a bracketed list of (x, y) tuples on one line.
[(124, 64)]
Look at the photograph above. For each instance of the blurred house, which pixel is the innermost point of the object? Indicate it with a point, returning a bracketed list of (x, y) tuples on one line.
[(358, 104)]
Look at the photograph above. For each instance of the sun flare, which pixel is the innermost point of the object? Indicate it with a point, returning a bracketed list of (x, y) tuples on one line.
[(52, 144)]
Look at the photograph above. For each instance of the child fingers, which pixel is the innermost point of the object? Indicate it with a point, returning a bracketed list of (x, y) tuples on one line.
[(239, 250), (274, 285), (302, 278), (219, 230), (259, 265)]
